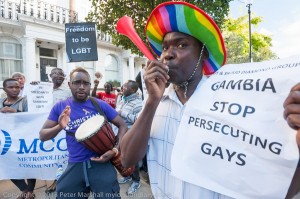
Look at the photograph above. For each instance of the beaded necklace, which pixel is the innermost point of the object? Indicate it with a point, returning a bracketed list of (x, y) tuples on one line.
[(185, 84)]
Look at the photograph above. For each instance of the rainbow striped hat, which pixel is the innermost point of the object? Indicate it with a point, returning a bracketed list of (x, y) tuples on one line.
[(189, 19)]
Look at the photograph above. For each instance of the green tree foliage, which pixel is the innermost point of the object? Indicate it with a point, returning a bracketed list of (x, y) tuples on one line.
[(115, 83), (236, 36), (107, 12)]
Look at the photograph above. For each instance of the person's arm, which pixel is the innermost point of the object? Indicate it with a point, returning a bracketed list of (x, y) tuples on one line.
[(51, 128), (135, 141), (117, 100), (119, 122), (292, 116), (295, 185), (94, 92), (292, 110)]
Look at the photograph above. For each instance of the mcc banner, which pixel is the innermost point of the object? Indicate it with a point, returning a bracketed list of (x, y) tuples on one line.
[(22, 154), (238, 141)]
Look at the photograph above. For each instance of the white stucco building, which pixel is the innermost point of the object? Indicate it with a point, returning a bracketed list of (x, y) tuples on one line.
[(32, 41)]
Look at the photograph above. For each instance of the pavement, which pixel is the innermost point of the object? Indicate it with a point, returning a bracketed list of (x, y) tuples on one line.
[(9, 191)]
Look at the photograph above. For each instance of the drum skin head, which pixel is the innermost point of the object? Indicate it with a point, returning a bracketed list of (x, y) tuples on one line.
[(96, 135), (89, 128)]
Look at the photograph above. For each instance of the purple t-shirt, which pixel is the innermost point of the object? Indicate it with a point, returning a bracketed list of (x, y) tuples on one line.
[(80, 112)]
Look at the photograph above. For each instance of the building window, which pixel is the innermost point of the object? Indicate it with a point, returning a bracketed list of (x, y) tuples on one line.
[(111, 68), (47, 52), (10, 57)]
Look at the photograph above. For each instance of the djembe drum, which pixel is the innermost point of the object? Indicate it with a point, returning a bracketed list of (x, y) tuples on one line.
[(97, 135)]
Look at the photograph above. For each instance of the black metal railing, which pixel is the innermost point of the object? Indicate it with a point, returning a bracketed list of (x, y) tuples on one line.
[(44, 11), (37, 9)]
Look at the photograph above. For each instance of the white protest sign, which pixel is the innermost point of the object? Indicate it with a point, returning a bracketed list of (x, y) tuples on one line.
[(238, 141), (40, 97), (22, 154)]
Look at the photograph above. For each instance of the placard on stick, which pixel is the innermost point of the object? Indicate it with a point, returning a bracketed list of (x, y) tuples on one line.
[(81, 43)]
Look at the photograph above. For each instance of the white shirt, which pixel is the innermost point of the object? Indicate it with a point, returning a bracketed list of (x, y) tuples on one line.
[(162, 137), (24, 91), (61, 93)]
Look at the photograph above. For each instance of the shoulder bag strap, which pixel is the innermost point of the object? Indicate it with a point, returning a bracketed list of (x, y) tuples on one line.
[(96, 105)]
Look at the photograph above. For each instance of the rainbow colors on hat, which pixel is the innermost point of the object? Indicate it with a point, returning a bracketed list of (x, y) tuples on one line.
[(189, 19)]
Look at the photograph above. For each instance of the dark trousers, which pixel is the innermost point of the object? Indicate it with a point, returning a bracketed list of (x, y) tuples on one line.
[(80, 178), (136, 174), (23, 186), (145, 165)]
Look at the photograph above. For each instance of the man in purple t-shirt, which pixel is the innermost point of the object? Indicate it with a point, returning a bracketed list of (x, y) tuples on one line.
[(83, 175)]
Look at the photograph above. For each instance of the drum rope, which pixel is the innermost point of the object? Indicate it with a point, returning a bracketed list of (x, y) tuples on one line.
[(86, 165)]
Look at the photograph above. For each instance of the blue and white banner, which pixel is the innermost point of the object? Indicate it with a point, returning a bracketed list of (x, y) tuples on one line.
[(22, 154), (238, 141)]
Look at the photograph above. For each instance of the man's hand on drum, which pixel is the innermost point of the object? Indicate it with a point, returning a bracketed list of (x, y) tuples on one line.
[(292, 110), (156, 77), (64, 117), (105, 157)]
